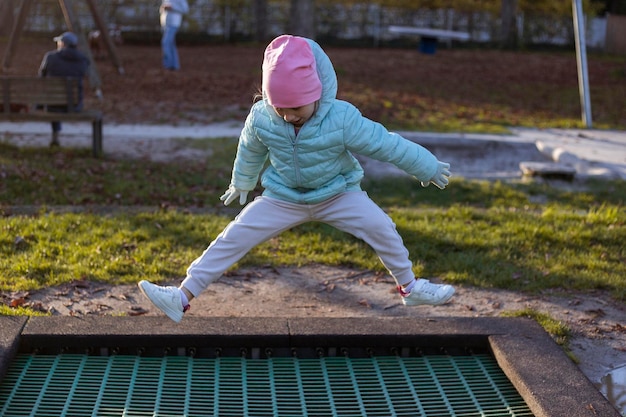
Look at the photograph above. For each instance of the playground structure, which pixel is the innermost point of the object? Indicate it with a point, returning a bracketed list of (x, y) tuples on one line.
[(429, 37), (72, 22)]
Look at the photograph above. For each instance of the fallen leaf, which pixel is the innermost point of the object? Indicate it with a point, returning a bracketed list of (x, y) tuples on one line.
[(596, 313), (121, 297), (618, 328), (20, 242), (38, 306), (17, 302), (137, 312)]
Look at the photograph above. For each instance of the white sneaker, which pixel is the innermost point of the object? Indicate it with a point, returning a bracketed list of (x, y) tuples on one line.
[(425, 293), (166, 299)]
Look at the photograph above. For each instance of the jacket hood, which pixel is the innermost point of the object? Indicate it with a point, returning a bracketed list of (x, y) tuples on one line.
[(328, 77)]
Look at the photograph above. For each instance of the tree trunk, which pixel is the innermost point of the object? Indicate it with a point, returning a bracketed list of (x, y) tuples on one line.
[(302, 18), (7, 13), (508, 28), (260, 14)]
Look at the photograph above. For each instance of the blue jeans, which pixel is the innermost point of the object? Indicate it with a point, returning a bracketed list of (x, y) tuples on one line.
[(168, 46)]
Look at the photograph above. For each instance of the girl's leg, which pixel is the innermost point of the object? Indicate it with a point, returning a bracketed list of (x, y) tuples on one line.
[(259, 221), (357, 214)]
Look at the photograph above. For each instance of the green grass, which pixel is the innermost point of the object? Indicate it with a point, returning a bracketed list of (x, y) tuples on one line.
[(72, 177), (19, 311), (122, 221)]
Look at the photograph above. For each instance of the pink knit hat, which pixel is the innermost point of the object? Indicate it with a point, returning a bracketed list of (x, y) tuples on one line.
[(289, 73)]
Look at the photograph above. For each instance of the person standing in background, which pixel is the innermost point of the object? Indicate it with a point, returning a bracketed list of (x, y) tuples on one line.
[(65, 61), (171, 15)]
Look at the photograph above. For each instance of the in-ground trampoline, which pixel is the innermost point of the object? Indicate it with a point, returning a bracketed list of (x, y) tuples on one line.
[(148, 366)]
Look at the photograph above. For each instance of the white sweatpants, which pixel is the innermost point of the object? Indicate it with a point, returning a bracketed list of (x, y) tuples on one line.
[(265, 217)]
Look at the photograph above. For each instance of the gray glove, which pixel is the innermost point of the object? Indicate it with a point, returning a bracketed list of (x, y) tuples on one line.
[(232, 193), (440, 179)]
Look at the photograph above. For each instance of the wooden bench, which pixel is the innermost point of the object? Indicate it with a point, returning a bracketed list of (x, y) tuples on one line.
[(28, 99)]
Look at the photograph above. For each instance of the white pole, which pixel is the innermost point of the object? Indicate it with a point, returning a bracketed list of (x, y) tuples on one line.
[(581, 60)]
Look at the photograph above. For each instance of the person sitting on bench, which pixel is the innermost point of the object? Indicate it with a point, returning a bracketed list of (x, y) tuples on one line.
[(65, 61)]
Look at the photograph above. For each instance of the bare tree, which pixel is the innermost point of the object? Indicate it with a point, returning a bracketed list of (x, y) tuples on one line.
[(302, 18), (260, 14)]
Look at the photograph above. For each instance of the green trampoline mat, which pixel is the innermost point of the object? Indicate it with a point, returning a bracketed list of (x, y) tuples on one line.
[(120, 385)]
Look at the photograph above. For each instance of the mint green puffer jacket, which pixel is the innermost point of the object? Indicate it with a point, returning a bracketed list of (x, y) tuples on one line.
[(317, 163)]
